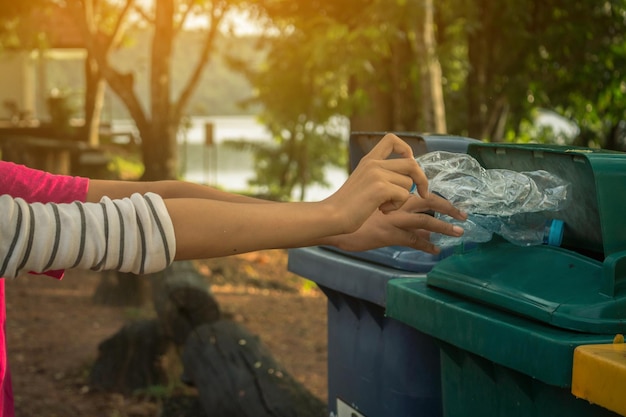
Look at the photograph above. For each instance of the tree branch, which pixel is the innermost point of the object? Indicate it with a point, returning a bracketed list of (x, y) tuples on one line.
[(117, 32), (217, 14), (177, 28), (141, 12), (121, 84)]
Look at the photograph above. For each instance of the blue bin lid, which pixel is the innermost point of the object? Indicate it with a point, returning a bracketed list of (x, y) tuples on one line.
[(346, 274)]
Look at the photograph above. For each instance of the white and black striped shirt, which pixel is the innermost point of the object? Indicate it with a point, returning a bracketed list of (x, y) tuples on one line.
[(134, 234)]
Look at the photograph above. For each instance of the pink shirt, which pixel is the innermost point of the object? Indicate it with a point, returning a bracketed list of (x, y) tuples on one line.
[(33, 186)]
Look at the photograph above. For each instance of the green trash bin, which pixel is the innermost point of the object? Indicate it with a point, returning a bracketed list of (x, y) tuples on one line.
[(508, 318)]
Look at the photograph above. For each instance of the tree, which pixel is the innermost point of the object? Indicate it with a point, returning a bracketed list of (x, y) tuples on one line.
[(360, 60), (520, 55), (11, 13), (157, 121), (579, 69), (297, 108)]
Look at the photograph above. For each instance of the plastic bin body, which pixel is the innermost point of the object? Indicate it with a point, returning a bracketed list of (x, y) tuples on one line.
[(377, 366), (494, 363), (508, 318)]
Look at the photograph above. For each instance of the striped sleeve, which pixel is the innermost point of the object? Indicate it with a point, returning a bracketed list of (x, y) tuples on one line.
[(130, 235)]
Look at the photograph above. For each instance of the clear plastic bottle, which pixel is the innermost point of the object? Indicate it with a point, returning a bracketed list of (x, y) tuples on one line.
[(526, 229), (514, 205)]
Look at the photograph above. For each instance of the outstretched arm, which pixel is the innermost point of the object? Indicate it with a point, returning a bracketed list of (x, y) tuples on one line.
[(394, 224), (144, 234)]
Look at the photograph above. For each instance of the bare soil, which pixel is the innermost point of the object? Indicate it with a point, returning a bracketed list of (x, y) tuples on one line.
[(54, 329)]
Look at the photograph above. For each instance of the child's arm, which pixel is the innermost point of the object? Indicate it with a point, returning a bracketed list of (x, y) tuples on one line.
[(406, 224)]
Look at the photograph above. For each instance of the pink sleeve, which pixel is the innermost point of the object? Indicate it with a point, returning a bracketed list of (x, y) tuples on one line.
[(38, 186)]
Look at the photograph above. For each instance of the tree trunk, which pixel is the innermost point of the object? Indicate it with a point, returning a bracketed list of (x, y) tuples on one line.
[(432, 87), (159, 139), (377, 116), (158, 125), (399, 100), (495, 128), (391, 95), (486, 115), (477, 51), (159, 151), (94, 100)]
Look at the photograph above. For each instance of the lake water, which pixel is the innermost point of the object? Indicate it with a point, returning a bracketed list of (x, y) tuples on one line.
[(225, 167)]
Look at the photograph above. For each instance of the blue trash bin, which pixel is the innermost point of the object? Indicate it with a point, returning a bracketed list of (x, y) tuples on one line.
[(377, 366)]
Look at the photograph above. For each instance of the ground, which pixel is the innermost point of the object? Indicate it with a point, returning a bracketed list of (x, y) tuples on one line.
[(54, 329)]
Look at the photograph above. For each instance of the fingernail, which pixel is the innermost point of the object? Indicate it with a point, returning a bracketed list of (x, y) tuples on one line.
[(413, 188), (457, 230)]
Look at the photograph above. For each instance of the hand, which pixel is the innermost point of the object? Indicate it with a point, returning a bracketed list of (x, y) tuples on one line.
[(379, 183), (409, 226)]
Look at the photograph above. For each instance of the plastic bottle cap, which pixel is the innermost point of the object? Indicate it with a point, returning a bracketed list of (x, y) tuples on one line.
[(555, 235)]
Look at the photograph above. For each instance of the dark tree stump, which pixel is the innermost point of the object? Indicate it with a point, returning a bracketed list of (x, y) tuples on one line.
[(232, 371), (122, 289), (182, 406), (236, 376), (182, 300), (130, 359)]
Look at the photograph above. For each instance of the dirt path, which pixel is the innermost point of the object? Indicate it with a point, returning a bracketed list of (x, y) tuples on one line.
[(54, 330)]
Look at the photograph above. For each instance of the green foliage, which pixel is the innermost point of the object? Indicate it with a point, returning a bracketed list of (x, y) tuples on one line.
[(11, 13), (580, 67), (300, 97), (500, 61), (127, 167), (322, 59), (218, 93)]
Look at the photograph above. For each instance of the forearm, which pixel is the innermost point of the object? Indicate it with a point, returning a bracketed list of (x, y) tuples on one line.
[(166, 189), (221, 229), (170, 190)]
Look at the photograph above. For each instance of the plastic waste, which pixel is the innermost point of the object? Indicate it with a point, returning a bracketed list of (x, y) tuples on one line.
[(519, 206), (526, 229)]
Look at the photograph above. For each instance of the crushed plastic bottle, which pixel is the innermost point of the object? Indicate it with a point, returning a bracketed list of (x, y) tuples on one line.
[(518, 206), (525, 229)]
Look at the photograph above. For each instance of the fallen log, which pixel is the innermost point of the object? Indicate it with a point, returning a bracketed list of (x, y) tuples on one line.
[(121, 289), (182, 300), (233, 373), (130, 359), (236, 376)]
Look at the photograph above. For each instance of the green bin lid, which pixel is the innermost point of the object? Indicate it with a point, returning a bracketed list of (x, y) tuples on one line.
[(579, 286)]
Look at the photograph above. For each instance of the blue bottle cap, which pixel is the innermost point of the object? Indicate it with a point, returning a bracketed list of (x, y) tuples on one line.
[(555, 234)]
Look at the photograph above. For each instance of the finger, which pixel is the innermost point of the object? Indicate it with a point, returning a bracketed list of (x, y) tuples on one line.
[(409, 168), (391, 144), (421, 221), (443, 206), (434, 203), (420, 240)]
